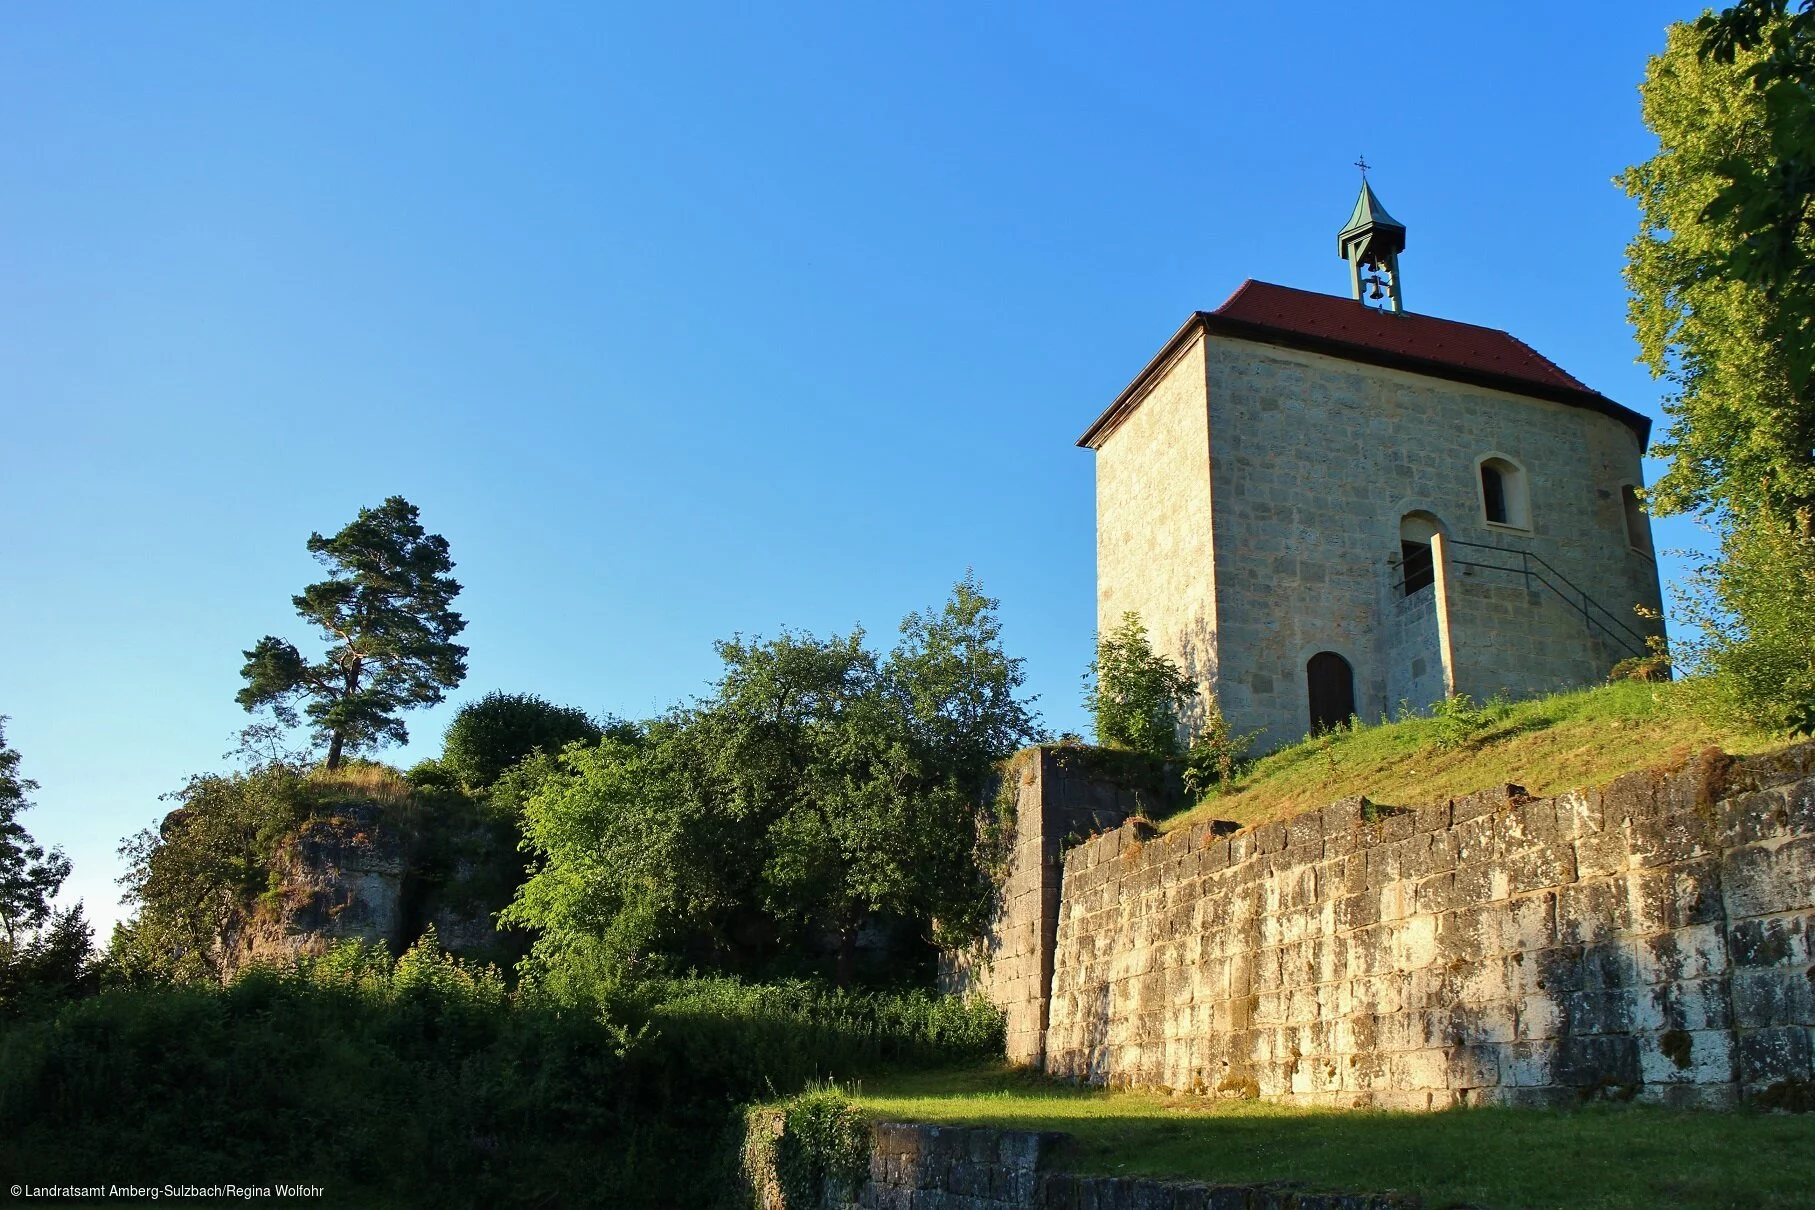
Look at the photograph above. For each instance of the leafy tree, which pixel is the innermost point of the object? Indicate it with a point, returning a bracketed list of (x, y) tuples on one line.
[(1135, 695), (29, 877), (1723, 301), (819, 787), (195, 874), (1740, 435), (384, 613), (50, 966), (492, 734), (1766, 196)]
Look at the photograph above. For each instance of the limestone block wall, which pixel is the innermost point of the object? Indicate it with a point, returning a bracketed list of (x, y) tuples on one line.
[(1154, 513), (1651, 939), (1414, 660), (1063, 794)]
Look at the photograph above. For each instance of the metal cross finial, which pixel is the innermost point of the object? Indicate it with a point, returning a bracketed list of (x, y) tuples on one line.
[(1361, 162)]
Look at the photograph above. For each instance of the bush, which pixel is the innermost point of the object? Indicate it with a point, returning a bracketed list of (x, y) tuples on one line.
[(421, 1082), (492, 734), (1217, 755), (823, 1152), (1134, 695)]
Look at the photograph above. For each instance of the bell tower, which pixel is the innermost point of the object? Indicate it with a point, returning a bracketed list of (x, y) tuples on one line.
[(1371, 242)]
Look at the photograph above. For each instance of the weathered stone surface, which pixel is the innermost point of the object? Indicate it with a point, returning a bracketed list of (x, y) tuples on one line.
[(1655, 939), (927, 1167)]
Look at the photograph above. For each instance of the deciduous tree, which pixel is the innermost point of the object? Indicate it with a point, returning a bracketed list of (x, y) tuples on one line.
[(1134, 694), (29, 876)]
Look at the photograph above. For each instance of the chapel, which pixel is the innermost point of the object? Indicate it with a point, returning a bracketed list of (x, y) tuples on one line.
[(1325, 506)]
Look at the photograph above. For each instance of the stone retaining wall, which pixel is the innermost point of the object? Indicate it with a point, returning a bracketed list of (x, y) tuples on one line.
[(923, 1167), (1650, 939)]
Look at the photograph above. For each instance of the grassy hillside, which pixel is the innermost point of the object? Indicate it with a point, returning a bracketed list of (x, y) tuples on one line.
[(1625, 1156), (1548, 745)]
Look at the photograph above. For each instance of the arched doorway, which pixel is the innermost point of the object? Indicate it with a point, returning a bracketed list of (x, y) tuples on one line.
[(1332, 685)]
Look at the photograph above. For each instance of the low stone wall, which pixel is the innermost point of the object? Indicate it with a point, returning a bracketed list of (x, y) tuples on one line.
[(1650, 939), (924, 1167)]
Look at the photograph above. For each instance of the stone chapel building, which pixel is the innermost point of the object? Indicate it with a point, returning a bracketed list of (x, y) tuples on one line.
[(1322, 507)]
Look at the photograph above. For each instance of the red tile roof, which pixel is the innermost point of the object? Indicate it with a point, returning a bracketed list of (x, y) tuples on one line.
[(1347, 321), (1345, 328)]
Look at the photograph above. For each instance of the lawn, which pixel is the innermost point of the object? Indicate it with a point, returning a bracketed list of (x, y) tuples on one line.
[(1597, 1156), (1548, 745)]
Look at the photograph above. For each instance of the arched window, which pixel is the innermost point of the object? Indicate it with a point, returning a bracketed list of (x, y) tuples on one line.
[(1332, 685), (1505, 499), (1416, 570), (1638, 528)]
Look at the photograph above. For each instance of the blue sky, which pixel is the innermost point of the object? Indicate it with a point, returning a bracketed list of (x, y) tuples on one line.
[(687, 320)]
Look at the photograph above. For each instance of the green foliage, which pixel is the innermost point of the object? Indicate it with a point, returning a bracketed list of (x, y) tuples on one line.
[(50, 966), (1753, 629), (1723, 297), (384, 612), (500, 729), (1217, 755), (818, 788), (1767, 190), (1458, 720), (198, 871), (1134, 695), (29, 877), (423, 1083), (1740, 434), (824, 1149)]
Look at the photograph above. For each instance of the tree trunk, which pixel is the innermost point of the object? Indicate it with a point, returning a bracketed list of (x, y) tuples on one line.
[(847, 954), (334, 746)]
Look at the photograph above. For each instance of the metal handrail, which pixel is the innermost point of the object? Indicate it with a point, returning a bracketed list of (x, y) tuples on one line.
[(1581, 602)]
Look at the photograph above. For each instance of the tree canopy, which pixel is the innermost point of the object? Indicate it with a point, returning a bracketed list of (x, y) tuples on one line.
[(500, 729), (384, 613), (1739, 438), (29, 876), (1723, 301), (818, 788)]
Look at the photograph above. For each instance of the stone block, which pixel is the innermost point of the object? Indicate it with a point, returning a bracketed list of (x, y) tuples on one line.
[(1538, 865), (1591, 911), (1787, 940), (1437, 894), (1680, 1056), (1767, 1056), (1579, 813), (1597, 1061), (1771, 996), (1760, 880), (1600, 854), (1692, 1004), (1748, 818)]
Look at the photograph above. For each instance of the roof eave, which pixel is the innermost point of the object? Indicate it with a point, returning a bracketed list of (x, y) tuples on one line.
[(1131, 395), (1220, 325)]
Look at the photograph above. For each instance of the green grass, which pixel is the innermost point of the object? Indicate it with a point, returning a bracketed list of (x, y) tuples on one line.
[(1599, 1156), (1548, 745)]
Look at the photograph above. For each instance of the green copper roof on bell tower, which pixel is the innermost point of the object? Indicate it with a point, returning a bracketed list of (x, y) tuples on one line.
[(1372, 240), (1370, 219)]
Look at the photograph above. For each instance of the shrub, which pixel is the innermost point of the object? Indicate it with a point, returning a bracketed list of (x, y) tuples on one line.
[(492, 734), (1135, 695), (420, 1082)]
